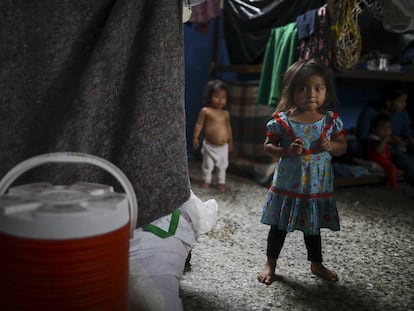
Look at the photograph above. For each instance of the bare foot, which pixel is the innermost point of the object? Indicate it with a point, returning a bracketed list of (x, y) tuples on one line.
[(205, 185), (220, 187), (320, 270), (267, 275)]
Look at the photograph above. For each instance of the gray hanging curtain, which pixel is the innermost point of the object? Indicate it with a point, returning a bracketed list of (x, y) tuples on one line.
[(100, 77)]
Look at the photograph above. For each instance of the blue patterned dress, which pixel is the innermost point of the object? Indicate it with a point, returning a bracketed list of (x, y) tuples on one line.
[(301, 195)]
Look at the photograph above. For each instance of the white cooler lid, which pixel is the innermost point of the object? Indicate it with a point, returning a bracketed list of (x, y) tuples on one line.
[(50, 212)]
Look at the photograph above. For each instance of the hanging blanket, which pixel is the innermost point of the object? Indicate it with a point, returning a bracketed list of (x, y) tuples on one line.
[(248, 121), (99, 77)]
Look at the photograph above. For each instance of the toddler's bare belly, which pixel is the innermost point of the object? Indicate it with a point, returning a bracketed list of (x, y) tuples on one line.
[(217, 140)]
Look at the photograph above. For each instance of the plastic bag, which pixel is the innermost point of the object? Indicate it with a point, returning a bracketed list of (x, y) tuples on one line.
[(203, 215)]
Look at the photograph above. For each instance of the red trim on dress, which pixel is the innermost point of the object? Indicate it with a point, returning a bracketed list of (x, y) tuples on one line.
[(289, 130), (270, 134), (285, 126), (328, 125)]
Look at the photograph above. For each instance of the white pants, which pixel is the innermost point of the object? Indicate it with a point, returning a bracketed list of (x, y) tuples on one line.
[(214, 156)]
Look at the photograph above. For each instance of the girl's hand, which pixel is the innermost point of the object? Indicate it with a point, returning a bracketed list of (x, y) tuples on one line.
[(325, 144), (295, 148)]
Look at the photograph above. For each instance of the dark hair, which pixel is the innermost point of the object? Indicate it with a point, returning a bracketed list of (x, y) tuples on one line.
[(213, 86), (391, 91), (381, 117), (300, 71)]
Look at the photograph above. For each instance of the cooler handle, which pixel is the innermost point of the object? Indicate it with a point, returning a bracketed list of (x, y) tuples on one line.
[(75, 157)]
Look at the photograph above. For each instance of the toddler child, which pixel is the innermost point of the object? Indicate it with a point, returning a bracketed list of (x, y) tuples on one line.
[(214, 122), (378, 147)]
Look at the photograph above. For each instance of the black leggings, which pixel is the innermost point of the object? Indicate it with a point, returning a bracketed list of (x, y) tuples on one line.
[(276, 239)]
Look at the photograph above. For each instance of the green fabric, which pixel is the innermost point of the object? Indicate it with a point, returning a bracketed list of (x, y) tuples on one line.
[(281, 52), (161, 232)]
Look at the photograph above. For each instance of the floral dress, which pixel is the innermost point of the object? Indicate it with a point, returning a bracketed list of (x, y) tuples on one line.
[(301, 195)]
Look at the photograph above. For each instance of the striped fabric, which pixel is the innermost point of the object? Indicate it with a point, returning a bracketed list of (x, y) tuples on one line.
[(248, 121)]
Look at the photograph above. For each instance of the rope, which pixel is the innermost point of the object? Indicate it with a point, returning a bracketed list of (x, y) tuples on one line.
[(348, 42)]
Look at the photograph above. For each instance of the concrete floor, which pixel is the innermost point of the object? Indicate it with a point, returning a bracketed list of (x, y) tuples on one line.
[(373, 254)]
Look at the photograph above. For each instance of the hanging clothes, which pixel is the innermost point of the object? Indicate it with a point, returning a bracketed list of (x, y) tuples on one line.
[(280, 53), (306, 24), (201, 14), (314, 35)]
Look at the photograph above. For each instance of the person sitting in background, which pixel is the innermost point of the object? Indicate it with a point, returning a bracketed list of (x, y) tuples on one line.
[(378, 147), (393, 102)]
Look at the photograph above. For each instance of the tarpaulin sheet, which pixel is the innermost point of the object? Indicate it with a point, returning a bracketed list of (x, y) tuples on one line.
[(247, 24)]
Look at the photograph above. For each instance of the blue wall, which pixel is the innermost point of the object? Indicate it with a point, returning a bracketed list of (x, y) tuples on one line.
[(352, 98), (197, 49), (198, 56)]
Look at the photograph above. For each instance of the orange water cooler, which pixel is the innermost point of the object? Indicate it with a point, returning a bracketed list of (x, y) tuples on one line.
[(65, 247)]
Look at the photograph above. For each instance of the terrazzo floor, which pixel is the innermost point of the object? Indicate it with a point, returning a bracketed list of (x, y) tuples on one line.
[(373, 254)]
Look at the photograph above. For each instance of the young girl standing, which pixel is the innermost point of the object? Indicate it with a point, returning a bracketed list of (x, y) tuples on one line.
[(304, 134)]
